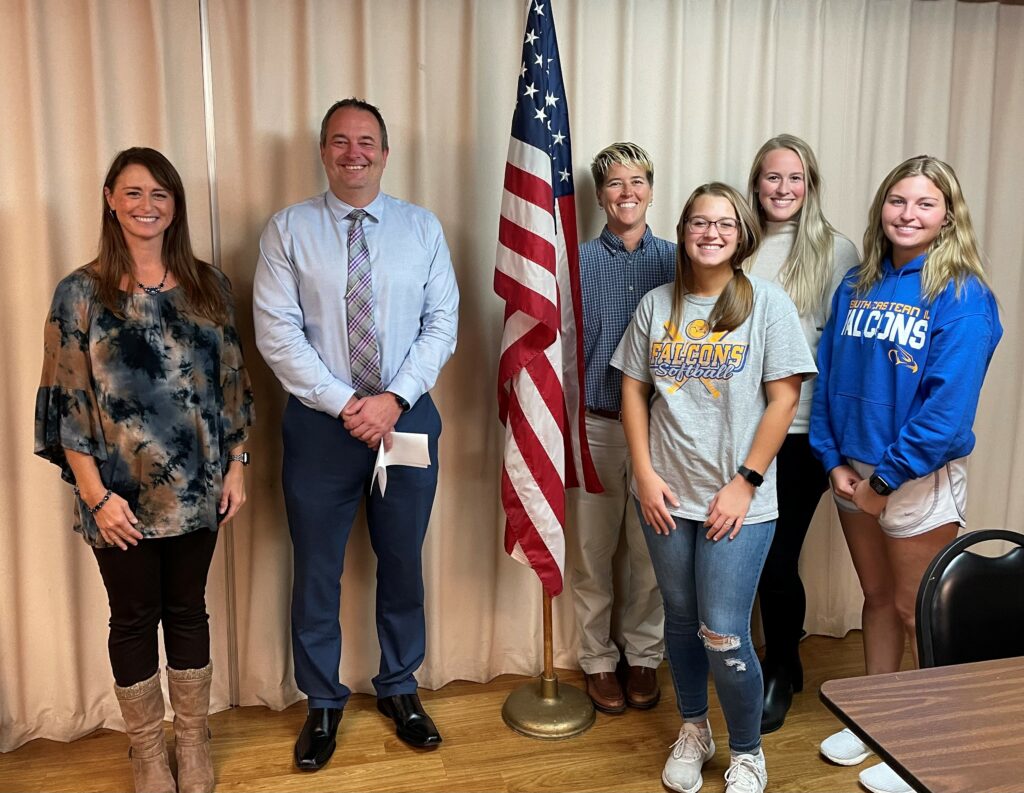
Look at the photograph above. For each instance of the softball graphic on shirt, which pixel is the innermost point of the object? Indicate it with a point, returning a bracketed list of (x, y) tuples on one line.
[(701, 354)]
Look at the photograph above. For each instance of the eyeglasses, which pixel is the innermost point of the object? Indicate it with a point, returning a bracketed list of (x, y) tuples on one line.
[(725, 226)]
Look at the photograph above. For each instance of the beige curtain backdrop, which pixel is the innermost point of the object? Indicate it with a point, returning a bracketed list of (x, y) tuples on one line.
[(699, 83)]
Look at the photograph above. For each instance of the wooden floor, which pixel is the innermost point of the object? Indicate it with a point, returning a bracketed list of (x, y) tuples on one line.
[(253, 746)]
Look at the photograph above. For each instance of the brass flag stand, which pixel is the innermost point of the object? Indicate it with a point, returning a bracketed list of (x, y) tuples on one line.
[(543, 708)]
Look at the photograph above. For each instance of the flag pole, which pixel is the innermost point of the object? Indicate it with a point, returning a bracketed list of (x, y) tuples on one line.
[(536, 272), (543, 708), (549, 645)]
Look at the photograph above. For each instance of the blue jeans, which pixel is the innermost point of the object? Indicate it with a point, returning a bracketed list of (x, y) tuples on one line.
[(708, 588)]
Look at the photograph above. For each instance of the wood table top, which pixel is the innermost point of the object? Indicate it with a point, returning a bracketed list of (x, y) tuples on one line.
[(948, 729)]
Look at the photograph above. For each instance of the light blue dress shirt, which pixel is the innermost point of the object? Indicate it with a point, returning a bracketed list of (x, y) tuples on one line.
[(299, 298)]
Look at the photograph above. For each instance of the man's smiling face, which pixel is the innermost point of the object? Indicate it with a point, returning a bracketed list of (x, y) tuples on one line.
[(352, 156)]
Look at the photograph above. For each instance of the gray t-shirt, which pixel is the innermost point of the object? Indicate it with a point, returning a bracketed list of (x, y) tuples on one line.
[(708, 395)]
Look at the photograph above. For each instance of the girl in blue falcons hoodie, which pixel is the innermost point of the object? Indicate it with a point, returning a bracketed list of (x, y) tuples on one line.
[(901, 363)]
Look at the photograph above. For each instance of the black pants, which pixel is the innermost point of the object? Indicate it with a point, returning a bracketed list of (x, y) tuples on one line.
[(800, 482), (158, 580)]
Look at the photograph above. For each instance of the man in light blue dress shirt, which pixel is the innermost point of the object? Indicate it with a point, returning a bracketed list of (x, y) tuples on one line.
[(332, 430)]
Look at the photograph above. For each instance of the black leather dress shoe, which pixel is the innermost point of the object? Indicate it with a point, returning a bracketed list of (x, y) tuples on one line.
[(412, 724), (316, 741), (778, 697)]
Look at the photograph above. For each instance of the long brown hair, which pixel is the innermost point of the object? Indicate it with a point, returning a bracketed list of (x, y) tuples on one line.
[(952, 256), (737, 299), (205, 290)]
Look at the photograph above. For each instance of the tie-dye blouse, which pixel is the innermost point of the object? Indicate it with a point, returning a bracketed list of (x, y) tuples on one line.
[(158, 398)]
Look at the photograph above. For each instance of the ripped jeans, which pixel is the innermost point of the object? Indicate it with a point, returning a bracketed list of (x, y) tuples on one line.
[(708, 588)]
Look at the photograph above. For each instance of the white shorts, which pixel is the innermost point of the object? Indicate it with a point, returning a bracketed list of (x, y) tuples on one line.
[(919, 505)]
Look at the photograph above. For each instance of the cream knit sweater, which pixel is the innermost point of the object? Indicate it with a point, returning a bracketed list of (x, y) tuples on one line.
[(768, 265)]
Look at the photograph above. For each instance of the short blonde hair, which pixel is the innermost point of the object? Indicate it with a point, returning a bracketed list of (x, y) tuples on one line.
[(622, 153)]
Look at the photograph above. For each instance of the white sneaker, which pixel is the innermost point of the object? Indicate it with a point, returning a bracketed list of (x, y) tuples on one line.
[(845, 748), (692, 749), (747, 774), (882, 779)]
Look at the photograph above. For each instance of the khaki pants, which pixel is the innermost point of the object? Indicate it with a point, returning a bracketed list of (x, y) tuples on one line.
[(600, 520)]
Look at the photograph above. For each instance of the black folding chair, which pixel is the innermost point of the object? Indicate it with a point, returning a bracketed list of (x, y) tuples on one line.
[(971, 607)]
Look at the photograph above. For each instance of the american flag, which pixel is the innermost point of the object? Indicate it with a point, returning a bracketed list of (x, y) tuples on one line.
[(540, 374)]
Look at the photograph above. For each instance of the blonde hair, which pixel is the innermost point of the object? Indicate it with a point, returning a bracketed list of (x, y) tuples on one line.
[(953, 254), (622, 153), (737, 299), (807, 272)]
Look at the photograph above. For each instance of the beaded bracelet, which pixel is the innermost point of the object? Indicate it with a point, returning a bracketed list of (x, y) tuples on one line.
[(99, 506)]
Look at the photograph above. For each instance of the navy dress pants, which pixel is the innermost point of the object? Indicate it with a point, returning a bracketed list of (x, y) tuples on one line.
[(326, 474)]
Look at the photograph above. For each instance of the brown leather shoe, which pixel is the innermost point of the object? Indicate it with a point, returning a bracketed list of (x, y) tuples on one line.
[(605, 692), (642, 689)]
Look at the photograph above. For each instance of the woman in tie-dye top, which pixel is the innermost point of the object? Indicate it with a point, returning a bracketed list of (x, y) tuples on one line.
[(145, 405)]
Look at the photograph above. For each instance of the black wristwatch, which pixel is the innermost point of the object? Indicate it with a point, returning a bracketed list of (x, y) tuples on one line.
[(750, 475), (402, 403), (879, 485), (242, 458)]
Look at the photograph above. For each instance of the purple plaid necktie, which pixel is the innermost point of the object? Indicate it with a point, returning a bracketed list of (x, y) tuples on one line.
[(362, 337)]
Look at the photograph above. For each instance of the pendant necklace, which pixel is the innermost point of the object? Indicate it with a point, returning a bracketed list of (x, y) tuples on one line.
[(154, 290)]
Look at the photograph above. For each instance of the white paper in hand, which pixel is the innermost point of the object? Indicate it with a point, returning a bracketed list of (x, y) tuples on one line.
[(407, 448)]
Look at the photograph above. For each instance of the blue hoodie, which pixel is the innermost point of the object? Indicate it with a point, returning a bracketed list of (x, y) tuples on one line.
[(899, 377)]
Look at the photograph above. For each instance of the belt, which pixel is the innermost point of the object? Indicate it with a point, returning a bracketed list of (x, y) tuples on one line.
[(614, 415)]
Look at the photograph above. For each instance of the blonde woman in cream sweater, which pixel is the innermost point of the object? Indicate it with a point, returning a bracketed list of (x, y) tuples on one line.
[(803, 253)]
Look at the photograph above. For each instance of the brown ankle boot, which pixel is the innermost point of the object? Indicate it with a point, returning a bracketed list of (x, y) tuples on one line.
[(190, 698), (142, 706)]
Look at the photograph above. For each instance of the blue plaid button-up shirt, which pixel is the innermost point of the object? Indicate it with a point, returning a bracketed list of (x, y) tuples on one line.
[(613, 281)]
